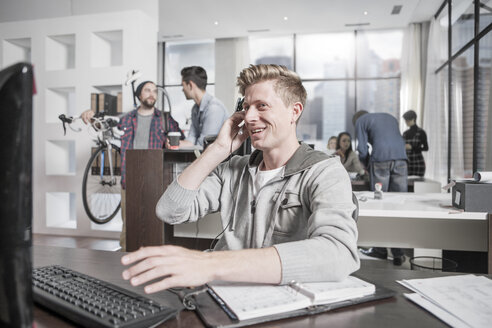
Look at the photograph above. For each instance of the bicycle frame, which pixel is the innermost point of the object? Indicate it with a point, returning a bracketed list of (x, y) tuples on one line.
[(100, 183), (109, 149)]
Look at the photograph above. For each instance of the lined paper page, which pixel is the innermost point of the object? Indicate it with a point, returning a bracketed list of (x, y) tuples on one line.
[(251, 301), (468, 297)]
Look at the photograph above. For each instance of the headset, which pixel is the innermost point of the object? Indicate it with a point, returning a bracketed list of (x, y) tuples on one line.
[(239, 107)]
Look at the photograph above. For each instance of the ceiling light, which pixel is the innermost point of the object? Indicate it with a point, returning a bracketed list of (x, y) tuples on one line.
[(357, 24), (396, 10), (365, 13), (286, 18), (216, 23), (259, 30)]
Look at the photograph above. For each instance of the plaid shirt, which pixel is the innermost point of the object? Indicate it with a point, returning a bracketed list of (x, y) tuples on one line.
[(157, 138)]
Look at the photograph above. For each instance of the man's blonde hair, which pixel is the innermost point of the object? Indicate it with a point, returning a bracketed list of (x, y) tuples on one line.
[(288, 85)]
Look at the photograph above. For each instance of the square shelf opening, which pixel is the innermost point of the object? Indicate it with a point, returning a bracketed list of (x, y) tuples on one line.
[(16, 50), (60, 52), (107, 99), (61, 210), (60, 157), (109, 89), (107, 48), (59, 101)]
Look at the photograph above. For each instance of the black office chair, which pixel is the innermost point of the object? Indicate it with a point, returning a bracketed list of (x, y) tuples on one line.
[(209, 139)]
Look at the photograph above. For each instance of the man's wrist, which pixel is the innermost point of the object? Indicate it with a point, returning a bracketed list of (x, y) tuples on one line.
[(218, 151)]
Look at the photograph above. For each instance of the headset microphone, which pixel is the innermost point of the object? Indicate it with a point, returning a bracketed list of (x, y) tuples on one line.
[(239, 107)]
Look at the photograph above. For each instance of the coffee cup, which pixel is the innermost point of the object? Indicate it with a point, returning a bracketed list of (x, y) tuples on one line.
[(174, 139)]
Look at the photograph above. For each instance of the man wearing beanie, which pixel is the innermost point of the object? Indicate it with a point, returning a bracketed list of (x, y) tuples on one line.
[(143, 129)]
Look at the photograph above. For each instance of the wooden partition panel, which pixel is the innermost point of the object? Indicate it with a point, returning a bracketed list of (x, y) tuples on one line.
[(148, 173), (490, 245), (144, 186)]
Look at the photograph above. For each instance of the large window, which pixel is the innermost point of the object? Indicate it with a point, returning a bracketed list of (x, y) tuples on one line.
[(272, 50), (468, 109), (342, 72), (484, 116), (182, 54)]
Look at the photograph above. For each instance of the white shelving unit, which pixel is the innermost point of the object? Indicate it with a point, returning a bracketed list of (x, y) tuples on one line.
[(60, 52), (59, 101), (15, 50), (60, 210), (61, 157), (73, 57), (106, 48)]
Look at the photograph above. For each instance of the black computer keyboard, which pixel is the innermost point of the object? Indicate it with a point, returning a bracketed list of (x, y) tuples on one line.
[(90, 302)]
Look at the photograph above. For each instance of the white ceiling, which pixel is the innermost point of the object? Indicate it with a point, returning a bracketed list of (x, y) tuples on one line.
[(195, 19)]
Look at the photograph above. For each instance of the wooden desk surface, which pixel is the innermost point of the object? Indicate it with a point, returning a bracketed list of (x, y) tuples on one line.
[(393, 312)]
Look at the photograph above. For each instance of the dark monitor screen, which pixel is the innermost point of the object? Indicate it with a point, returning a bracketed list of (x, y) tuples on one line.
[(16, 86)]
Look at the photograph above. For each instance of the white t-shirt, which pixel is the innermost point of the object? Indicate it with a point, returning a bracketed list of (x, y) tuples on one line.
[(261, 178)]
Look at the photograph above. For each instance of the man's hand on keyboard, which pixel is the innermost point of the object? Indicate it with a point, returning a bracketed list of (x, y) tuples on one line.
[(177, 265), (180, 267)]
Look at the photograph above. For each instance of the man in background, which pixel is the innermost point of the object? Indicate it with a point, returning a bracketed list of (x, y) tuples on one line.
[(387, 162), (208, 114), (144, 128)]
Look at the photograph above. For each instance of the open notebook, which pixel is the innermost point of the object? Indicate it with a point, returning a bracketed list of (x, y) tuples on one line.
[(248, 301)]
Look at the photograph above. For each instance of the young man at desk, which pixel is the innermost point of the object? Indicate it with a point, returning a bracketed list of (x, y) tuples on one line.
[(286, 210)]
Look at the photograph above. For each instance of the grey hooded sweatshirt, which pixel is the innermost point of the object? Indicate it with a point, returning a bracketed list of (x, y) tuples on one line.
[(305, 213)]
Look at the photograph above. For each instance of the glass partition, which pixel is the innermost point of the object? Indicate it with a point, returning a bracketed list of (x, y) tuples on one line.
[(325, 56), (462, 115), (329, 110), (272, 50), (379, 53), (183, 54), (463, 23), (484, 119)]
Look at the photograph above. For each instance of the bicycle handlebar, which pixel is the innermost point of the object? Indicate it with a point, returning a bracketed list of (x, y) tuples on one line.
[(99, 122), (65, 120)]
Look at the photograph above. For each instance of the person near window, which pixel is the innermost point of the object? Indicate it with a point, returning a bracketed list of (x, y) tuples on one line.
[(415, 144), (348, 157), (208, 114), (286, 209), (332, 143), (387, 162), (144, 128)]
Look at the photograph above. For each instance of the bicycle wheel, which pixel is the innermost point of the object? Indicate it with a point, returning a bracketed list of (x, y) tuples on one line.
[(101, 192)]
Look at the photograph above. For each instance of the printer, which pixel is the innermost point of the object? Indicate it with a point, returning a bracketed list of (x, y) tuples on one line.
[(473, 196)]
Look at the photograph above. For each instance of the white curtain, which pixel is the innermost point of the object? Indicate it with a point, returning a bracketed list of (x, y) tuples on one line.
[(411, 93), (435, 110)]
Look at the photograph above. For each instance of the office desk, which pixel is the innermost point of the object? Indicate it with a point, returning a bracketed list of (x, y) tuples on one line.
[(393, 312), (364, 185), (411, 220)]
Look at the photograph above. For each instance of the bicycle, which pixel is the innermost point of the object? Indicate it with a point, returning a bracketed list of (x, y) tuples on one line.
[(101, 185)]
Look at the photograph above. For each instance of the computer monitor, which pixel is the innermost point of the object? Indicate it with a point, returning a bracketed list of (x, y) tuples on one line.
[(16, 86)]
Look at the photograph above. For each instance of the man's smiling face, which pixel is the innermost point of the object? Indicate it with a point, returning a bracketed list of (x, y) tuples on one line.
[(268, 119)]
